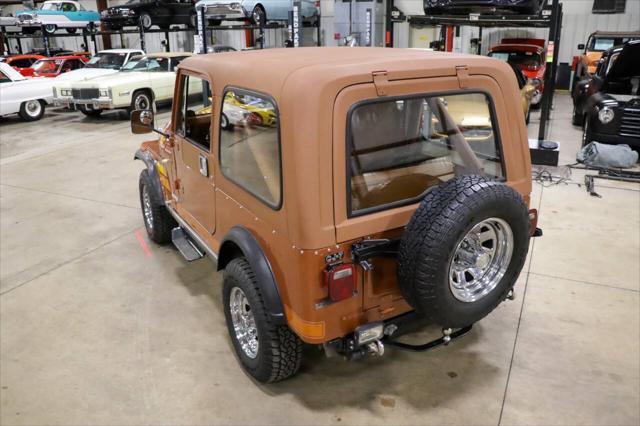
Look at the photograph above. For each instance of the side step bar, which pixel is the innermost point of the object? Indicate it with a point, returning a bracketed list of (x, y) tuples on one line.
[(185, 245)]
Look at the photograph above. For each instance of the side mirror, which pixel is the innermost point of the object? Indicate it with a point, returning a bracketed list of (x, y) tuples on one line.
[(581, 46), (142, 121)]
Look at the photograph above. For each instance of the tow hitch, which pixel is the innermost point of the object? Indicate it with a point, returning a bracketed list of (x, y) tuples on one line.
[(447, 336)]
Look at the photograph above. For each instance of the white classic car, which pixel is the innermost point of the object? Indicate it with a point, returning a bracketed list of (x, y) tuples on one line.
[(54, 14), (143, 82), (102, 63), (27, 97)]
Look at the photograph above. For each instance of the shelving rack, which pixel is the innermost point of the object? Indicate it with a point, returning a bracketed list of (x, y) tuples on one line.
[(550, 17)]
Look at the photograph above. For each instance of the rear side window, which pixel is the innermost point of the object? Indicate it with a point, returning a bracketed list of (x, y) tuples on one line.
[(397, 149), (250, 144)]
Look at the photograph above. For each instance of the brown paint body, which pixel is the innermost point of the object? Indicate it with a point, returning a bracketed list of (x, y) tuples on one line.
[(314, 88)]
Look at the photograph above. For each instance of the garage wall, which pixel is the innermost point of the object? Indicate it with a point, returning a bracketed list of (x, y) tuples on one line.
[(578, 22)]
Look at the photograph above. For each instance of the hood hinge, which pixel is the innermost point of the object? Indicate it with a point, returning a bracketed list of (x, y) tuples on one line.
[(381, 81), (462, 71)]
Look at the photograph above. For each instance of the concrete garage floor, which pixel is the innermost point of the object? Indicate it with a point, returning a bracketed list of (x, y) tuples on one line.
[(95, 330)]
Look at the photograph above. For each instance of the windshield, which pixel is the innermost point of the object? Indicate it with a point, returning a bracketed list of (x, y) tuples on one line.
[(112, 61), (623, 74), (600, 44), (49, 66), (525, 59), (147, 64)]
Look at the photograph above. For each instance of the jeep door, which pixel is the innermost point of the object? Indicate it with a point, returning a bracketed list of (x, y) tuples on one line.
[(192, 129)]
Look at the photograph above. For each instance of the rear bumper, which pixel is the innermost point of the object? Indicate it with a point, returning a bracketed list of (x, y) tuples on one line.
[(224, 11)]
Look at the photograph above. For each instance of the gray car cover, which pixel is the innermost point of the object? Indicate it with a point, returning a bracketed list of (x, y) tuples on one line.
[(601, 155)]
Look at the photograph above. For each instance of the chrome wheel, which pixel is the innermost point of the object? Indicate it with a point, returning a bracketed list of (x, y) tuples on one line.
[(50, 28), (146, 21), (259, 16), (224, 121), (33, 108), (480, 260), (142, 102), (244, 323), (146, 208)]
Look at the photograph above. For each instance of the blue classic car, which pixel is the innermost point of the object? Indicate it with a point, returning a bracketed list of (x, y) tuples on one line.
[(258, 11), (55, 14)]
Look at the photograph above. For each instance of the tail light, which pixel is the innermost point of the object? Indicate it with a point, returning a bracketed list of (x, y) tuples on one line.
[(341, 281)]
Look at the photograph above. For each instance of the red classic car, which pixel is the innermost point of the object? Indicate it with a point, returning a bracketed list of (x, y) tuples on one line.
[(528, 54), (53, 67), (22, 63)]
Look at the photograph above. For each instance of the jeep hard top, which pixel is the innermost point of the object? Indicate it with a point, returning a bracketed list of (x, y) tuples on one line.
[(343, 191)]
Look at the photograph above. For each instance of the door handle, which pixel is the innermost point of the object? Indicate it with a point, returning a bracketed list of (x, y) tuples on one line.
[(204, 166)]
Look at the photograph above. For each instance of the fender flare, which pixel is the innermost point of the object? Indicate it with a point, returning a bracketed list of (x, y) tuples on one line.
[(149, 161), (239, 241)]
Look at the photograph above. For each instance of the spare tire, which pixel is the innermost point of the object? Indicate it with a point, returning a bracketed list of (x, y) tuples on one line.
[(463, 250)]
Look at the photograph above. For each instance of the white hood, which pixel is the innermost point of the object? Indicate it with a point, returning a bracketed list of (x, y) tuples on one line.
[(84, 74)]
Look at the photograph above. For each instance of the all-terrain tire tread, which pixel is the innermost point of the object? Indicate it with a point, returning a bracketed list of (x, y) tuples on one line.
[(284, 356), (163, 222), (426, 244)]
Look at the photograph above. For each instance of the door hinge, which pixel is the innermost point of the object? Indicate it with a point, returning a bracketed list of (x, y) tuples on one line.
[(462, 71), (381, 81)]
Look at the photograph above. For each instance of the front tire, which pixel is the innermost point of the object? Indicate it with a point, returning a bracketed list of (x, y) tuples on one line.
[(142, 100), (585, 133), (50, 28), (157, 220), (32, 110), (267, 351), (225, 124), (89, 112), (259, 16), (576, 117)]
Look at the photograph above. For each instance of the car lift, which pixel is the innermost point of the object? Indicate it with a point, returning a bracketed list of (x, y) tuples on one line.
[(91, 32), (550, 17)]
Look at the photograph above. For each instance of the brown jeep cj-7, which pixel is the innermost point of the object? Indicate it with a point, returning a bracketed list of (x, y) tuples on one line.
[(343, 192)]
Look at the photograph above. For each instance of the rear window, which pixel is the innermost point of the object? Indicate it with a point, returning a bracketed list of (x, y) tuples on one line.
[(397, 149)]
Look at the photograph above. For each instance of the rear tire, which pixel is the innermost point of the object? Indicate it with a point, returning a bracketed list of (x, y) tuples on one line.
[(271, 352), (463, 250), (157, 220), (32, 110)]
